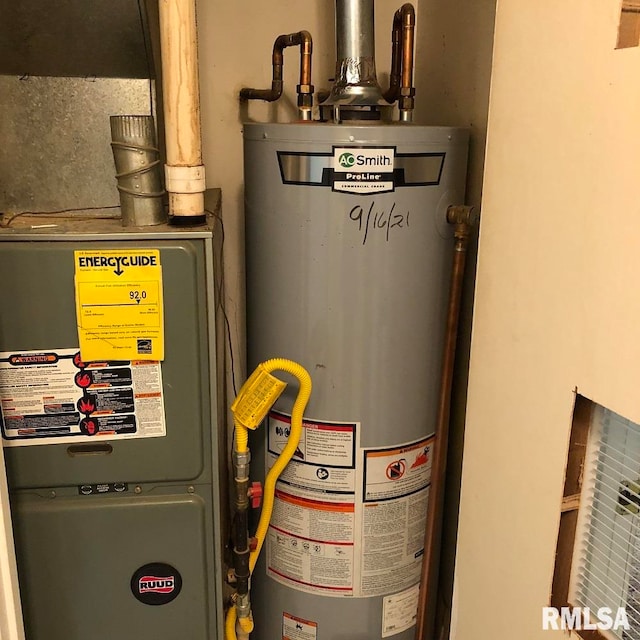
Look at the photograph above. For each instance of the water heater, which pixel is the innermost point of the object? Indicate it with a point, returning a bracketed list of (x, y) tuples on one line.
[(348, 261)]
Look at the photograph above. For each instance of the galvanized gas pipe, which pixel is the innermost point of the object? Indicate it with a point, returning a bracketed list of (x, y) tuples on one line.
[(184, 171)]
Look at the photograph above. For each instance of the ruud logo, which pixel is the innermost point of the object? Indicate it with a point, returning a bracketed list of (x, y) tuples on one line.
[(153, 584), (156, 583)]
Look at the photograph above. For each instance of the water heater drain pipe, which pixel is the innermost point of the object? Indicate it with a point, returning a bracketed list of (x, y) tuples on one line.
[(462, 217)]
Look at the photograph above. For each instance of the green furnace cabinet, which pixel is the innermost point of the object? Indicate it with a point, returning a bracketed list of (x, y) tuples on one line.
[(117, 537)]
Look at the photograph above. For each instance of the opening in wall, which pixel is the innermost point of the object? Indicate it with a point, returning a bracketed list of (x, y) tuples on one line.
[(596, 585), (629, 29)]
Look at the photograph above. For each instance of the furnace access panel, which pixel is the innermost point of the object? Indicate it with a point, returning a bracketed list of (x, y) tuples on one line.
[(112, 464)]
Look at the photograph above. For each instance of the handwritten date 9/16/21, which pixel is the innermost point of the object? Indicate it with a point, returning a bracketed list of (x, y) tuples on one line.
[(374, 220)]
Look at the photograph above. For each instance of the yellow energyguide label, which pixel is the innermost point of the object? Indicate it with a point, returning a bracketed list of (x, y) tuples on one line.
[(119, 306)]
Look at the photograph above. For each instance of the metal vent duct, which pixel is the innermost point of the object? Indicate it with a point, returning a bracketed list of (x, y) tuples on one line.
[(356, 83)]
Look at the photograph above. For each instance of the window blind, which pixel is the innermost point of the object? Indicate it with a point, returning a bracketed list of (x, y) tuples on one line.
[(607, 551)]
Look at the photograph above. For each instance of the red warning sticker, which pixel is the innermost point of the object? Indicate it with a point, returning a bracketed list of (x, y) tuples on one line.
[(393, 472), (396, 469), (294, 628)]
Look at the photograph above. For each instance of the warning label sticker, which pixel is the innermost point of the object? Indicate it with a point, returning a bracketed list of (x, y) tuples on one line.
[(400, 611), (56, 397), (324, 462), (392, 517), (119, 304), (310, 543), (397, 471), (348, 521), (294, 628)]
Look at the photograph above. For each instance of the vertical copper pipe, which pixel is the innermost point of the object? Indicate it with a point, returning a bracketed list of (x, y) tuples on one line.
[(306, 49), (401, 76), (305, 88), (396, 58), (407, 91), (462, 218), (408, 17)]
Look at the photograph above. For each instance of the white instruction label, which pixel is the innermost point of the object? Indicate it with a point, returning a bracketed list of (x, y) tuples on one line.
[(310, 542), (400, 611), (347, 521), (324, 463), (393, 518), (294, 628), (52, 396)]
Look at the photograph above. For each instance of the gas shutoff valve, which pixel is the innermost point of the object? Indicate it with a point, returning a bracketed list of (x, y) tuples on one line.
[(255, 494)]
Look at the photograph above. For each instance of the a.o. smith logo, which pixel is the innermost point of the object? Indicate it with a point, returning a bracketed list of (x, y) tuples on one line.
[(347, 160), (153, 584), (364, 160)]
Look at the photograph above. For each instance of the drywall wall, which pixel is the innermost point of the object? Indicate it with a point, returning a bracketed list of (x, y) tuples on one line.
[(556, 303)]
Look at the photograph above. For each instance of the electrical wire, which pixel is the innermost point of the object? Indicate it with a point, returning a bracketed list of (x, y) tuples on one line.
[(220, 301), (6, 222), (148, 55)]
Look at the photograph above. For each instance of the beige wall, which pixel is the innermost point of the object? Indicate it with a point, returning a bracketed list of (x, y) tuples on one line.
[(556, 301)]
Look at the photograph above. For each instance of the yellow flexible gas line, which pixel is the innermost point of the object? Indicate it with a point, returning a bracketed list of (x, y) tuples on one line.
[(242, 437), (304, 392), (230, 623)]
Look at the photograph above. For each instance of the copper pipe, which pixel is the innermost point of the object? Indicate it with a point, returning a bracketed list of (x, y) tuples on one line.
[(391, 95), (304, 89), (401, 77), (407, 90), (462, 218)]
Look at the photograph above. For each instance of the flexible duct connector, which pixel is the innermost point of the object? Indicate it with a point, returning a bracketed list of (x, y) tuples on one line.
[(239, 622), (137, 161)]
